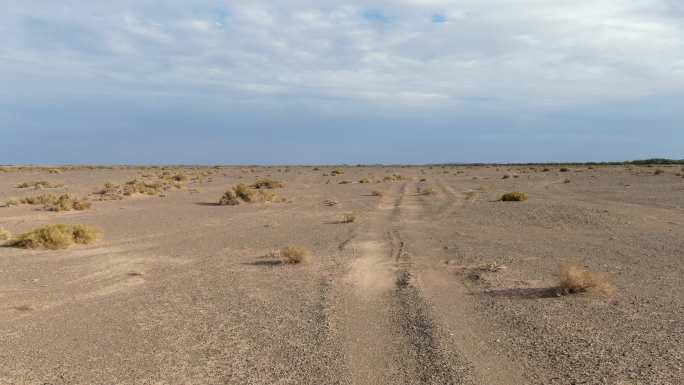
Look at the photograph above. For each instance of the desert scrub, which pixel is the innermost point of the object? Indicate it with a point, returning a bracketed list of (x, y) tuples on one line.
[(394, 178), (38, 184), (251, 195), (576, 279), (55, 237), (294, 254), (267, 183), (67, 202), (377, 193), (348, 218), (514, 197), (364, 180), (344, 182), (658, 172), (5, 235), (138, 186), (336, 172), (42, 199), (229, 199), (427, 191)]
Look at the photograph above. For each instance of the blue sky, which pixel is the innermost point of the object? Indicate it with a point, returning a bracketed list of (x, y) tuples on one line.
[(317, 81)]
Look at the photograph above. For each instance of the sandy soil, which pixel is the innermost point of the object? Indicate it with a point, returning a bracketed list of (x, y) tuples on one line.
[(449, 288)]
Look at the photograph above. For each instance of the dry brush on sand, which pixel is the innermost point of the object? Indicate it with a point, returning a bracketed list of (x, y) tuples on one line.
[(53, 237), (244, 193)]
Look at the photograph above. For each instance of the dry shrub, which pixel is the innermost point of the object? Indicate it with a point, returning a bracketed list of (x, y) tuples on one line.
[(336, 172), (658, 172), (294, 254), (229, 199), (348, 218), (394, 178), (377, 193), (38, 184), (576, 279), (514, 197), (54, 237), (364, 180), (43, 199), (345, 182), (566, 181), (267, 183), (564, 169), (5, 235), (506, 176), (54, 171), (67, 202), (138, 186), (427, 191), (251, 195)]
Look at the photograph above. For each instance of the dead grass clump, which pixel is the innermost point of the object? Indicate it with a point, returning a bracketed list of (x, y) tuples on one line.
[(229, 199), (377, 193), (336, 172), (55, 237), (267, 183), (251, 195), (514, 197), (38, 184), (394, 178), (576, 279), (345, 182), (5, 235), (54, 171), (348, 218), (364, 180), (564, 169), (294, 254), (109, 192), (67, 202), (427, 191), (43, 199), (138, 186), (506, 176), (658, 172)]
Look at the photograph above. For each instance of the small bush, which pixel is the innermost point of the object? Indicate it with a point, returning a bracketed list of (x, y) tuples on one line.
[(348, 218), (294, 254), (229, 199), (38, 184), (336, 172), (377, 193), (506, 176), (5, 235), (250, 195), (364, 180), (566, 181), (345, 182), (658, 172), (576, 279), (564, 169), (267, 183), (427, 191), (56, 237), (67, 203), (514, 197)]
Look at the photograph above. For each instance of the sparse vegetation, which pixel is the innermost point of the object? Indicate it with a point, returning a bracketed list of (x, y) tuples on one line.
[(377, 193), (514, 197), (364, 180), (658, 172), (267, 183), (336, 172), (55, 237), (293, 254), (348, 218), (427, 191), (246, 194), (5, 235), (64, 202), (229, 199), (38, 184), (576, 279)]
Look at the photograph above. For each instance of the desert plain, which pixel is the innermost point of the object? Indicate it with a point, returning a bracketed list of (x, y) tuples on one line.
[(411, 275)]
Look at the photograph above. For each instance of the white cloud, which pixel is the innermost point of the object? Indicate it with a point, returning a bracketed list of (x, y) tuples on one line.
[(511, 52)]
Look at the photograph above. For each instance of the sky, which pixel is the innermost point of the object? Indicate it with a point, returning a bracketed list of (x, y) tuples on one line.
[(323, 82)]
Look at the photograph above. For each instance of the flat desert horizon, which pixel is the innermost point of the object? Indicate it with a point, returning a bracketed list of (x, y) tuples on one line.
[(342, 275)]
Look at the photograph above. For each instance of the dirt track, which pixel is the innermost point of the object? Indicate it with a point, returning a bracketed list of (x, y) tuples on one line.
[(178, 291)]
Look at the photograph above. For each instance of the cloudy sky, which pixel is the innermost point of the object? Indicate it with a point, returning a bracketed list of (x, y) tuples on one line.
[(319, 81)]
